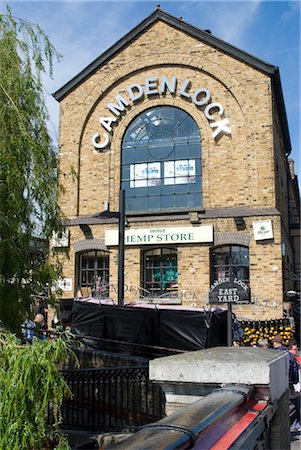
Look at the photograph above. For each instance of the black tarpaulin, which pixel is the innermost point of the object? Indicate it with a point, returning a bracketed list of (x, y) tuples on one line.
[(65, 311), (172, 329), (130, 325), (187, 330)]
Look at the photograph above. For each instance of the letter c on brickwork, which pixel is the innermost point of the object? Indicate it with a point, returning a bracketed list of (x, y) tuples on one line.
[(96, 140)]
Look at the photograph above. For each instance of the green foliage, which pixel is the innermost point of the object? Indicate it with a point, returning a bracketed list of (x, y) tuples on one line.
[(28, 167), (29, 380)]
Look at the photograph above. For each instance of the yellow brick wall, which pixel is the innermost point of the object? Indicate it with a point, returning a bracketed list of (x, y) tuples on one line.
[(243, 91), (237, 171), (194, 268)]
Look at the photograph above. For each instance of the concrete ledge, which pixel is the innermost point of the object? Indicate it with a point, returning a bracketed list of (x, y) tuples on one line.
[(225, 365)]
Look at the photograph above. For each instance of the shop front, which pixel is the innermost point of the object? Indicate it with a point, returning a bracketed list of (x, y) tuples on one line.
[(195, 134)]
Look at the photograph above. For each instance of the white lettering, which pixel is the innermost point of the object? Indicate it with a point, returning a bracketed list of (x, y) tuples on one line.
[(217, 282), (135, 87), (120, 107), (106, 122), (200, 97), (214, 106), (222, 126), (96, 140), (184, 87), (151, 86), (166, 84), (204, 100), (241, 283)]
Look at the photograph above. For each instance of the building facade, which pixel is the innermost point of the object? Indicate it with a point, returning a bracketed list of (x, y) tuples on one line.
[(194, 131)]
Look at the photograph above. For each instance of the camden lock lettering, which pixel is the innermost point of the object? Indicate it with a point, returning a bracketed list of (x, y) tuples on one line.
[(200, 96), (226, 291)]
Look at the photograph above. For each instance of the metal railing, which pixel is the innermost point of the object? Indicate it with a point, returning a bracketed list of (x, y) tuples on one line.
[(111, 399)]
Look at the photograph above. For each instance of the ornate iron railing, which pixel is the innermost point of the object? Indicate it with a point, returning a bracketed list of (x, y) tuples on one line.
[(111, 399)]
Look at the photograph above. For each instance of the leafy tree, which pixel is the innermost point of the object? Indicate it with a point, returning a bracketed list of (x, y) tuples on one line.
[(29, 382), (28, 170)]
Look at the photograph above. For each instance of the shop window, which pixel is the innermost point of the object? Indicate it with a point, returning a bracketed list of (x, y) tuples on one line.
[(161, 161), (160, 272), (230, 261), (93, 273)]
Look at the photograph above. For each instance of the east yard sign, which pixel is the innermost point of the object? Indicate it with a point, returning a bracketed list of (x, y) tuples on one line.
[(226, 291)]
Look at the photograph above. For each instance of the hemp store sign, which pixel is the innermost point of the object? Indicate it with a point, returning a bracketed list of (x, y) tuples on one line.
[(226, 291), (151, 236), (135, 92)]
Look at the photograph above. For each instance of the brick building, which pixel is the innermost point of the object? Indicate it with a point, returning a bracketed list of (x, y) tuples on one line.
[(195, 132)]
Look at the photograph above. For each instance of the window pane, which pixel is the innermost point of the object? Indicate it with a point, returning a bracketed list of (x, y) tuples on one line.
[(140, 192), (93, 272), (160, 271), (138, 204), (230, 262), (154, 202), (91, 260), (194, 150), (180, 200), (140, 155), (126, 173), (84, 261), (127, 155), (242, 273), (181, 150), (168, 251), (166, 151), (221, 255)]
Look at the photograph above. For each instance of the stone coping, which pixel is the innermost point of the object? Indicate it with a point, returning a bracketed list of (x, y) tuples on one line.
[(225, 365)]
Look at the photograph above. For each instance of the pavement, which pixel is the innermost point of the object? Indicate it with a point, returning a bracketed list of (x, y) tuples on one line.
[(296, 441)]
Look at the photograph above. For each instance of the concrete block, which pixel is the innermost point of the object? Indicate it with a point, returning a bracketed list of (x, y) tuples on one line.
[(225, 365)]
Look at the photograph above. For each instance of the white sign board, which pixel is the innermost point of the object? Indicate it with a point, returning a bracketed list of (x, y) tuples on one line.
[(176, 235), (263, 230), (60, 240), (146, 174), (179, 172), (65, 284)]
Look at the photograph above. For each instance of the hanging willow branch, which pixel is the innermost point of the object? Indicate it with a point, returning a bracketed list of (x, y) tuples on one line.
[(29, 381), (28, 167)]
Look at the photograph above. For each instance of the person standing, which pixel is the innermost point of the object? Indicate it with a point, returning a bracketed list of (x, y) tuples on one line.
[(28, 330), (293, 378), (40, 327), (296, 426)]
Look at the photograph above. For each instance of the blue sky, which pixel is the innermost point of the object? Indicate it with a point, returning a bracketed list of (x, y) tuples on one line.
[(82, 30)]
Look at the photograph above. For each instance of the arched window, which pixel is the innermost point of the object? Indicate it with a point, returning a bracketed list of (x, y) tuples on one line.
[(161, 161), (230, 261), (160, 272), (93, 272)]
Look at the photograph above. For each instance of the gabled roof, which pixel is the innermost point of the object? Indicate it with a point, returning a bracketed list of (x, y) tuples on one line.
[(202, 35)]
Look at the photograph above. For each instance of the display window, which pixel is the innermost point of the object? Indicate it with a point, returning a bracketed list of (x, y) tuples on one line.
[(161, 161), (160, 272), (93, 273), (230, 261)]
